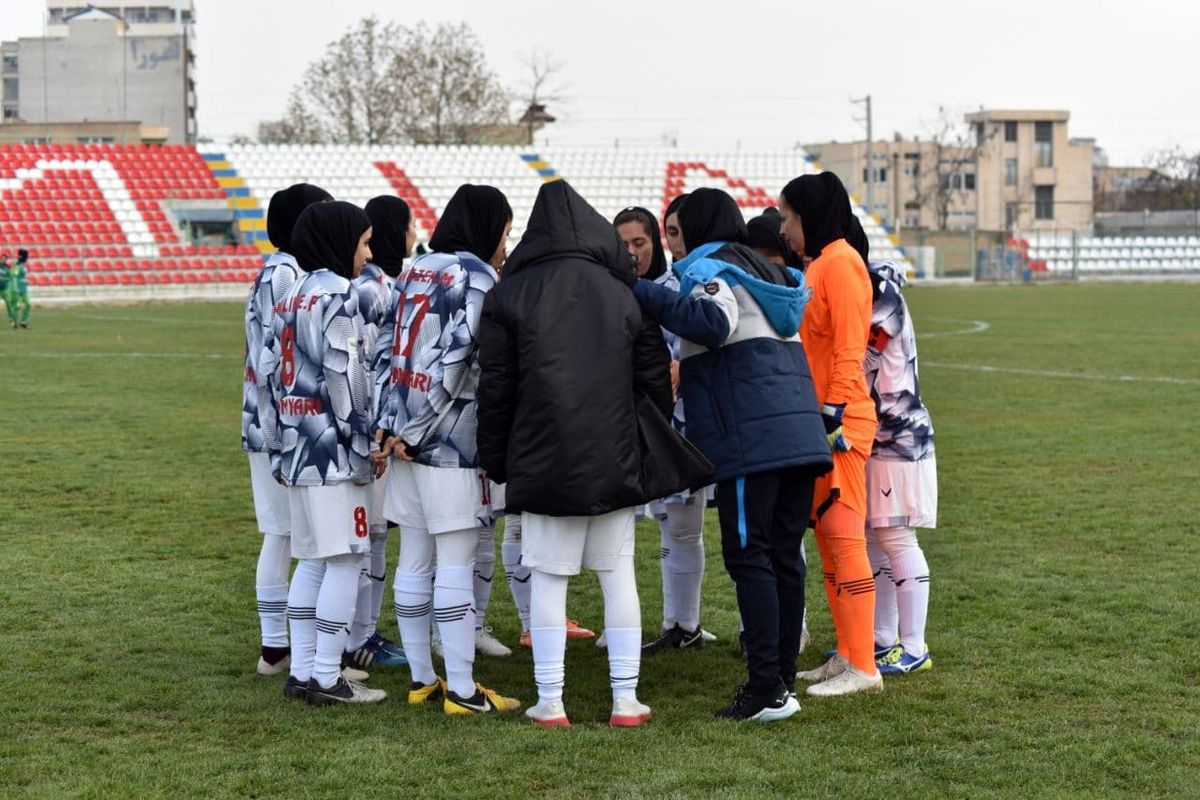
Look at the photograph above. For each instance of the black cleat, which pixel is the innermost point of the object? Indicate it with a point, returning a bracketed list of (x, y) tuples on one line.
[(343, 691), (746, 706), (674, 639), (295, 689)]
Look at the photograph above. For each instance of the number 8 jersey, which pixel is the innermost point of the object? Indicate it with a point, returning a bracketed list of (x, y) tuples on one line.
[(320, 385), (429, 347)]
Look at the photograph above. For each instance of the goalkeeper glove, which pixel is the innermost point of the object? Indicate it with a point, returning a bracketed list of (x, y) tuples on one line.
[(831, 415)]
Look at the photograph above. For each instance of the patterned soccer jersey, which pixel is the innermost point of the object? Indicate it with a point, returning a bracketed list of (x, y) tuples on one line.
[(320, 385), (273, 282), (428, 346), (905, 431), (374, 289)]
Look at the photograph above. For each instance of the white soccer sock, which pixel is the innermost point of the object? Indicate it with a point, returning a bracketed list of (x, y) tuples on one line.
[(414, 608), (548, 617), (485, 570), (271, 589), (518, 580), (668, 574), (378, 577), (335, 611), (622, 627), (687, 562), (911, 573), (361, 628), (302, 616), (886, 620), (453, 608)]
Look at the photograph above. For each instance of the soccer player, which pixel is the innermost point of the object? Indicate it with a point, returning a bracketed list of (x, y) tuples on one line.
[(752, 411), (816, 220), (319, 442), (4, 279), (274, 280), (17, 297), (566, 360), (901, 480), (437, 493), (680, 517), (393, 235)]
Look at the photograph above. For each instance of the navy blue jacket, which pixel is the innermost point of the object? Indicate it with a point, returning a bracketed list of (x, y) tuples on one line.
[(744, 378)]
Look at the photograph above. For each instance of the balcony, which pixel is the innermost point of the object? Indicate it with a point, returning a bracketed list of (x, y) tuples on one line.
[(1044, 176)]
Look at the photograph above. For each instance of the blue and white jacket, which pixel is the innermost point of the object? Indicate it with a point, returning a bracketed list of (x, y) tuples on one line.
[(744, 378), (320, 385), (274, 281), (374, 288), (428, 346)]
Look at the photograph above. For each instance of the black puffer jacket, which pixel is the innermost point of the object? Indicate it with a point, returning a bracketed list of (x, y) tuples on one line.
[(563, 350)]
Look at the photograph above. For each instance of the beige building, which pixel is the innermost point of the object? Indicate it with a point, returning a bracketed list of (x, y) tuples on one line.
[(1012, 170), (111, 63)]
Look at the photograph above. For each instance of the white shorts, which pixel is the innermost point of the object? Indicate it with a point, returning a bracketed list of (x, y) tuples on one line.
[(375, 513), (270, 497), (437, 499), (902, 494), (330, 520), (563, 545)]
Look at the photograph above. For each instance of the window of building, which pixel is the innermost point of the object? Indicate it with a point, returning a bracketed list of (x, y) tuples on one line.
[(1043, 202), (912, 164), (1010, 131), (1010, 172), (880, 175), (969, 181), (12, 90), (1043, 143), (10, 62), (36, 140), (11, 112), (96, 139), (1010, 216)]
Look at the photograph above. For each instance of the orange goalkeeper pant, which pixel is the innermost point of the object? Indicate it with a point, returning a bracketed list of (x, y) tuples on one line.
[(849, 584)]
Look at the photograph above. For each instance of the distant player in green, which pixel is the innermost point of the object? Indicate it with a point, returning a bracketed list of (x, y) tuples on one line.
[(16, 291), (4, 279)]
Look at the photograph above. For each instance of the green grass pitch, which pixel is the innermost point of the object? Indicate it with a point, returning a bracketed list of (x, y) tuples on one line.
[(1065, 617)]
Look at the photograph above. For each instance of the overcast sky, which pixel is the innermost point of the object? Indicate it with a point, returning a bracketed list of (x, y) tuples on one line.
[(722, 74)]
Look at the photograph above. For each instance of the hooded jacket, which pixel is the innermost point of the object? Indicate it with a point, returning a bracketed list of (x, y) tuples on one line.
[(564, 355), (744, 377)]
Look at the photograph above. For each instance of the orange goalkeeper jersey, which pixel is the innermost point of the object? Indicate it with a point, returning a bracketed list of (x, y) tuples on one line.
[(837, 320)]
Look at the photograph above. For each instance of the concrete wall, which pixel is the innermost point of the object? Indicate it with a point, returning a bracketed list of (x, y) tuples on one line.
[(98, 73)]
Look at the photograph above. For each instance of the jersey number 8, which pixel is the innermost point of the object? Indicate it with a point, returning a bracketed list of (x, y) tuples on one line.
[(288, 343)]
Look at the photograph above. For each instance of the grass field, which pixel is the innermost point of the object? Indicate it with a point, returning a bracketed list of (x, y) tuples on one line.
[(1065, 620)]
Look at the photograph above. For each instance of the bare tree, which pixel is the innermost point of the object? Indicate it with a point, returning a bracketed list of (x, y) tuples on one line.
[(1180, 170), (451, 93), (350, 95), (953, 147), (382, 83), (543, 85)]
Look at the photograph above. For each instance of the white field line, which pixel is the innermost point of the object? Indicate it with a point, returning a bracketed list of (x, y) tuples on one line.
[(1050, 373), (973, 326)]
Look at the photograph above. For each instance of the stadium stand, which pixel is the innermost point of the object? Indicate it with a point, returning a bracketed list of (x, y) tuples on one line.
[(111, 215), (1065, 253)]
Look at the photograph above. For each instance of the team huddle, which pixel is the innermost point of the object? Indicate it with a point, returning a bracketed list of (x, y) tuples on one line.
[(563, 391)]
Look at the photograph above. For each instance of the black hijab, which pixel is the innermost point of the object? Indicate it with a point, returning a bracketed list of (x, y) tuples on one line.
[(674, 205), (472, 221), (284, 209), (824, 209), (710, 215), (857, 238), (390, 217), (762, 233), (658, 260), (326, 236)]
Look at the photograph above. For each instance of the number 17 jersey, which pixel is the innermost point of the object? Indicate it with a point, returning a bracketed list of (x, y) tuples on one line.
[(428, 344)]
